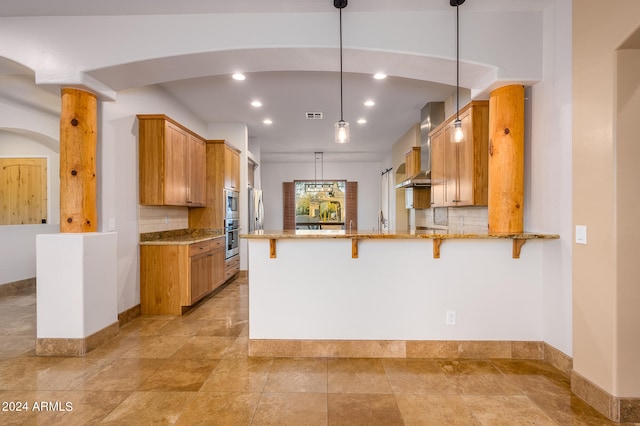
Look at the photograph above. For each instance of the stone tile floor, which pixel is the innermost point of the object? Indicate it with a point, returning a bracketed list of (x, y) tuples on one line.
[(194, 369)]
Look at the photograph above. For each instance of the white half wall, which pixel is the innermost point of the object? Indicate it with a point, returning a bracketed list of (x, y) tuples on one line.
[(395, 290), (76, 284)]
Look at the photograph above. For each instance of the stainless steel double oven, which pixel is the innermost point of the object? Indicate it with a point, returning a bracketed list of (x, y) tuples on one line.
[(231, 223)]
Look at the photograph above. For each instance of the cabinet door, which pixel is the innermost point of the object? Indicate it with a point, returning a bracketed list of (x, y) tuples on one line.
[(175, 166), (437, 169), (466, 166), (200, 275), (197, 171), (231, 169), (218, 268)]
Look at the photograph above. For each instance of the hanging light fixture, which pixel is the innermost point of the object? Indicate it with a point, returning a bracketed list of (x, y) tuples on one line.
[(342, 127), (458, 133)]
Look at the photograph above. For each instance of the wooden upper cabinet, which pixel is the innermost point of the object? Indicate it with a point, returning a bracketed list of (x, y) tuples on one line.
[(197, 171), (231, 168), (172, 163), (412, 161), (459, 171), (437, 168)]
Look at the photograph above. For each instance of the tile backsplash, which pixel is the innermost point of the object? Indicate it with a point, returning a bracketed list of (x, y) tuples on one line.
[(453, 217), (162, 218)]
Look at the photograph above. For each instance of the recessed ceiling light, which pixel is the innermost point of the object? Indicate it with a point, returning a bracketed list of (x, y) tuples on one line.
[(379, 76), (256, 104), (238, 76), (369, 103), (267, 121), (362, 121)]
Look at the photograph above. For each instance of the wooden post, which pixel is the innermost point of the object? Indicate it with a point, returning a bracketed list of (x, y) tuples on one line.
[(78, 139), (506, 160)]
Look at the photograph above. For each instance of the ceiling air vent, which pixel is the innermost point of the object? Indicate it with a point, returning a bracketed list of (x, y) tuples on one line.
[(314, 115)]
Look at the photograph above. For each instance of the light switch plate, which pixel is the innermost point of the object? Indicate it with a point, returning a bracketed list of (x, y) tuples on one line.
[(581, 234)]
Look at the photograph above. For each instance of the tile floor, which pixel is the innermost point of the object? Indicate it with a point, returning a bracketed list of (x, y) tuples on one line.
[(194, 369)]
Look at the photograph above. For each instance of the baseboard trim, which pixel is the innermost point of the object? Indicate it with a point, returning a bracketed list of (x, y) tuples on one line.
[(558, 359), (617, 409), (16, 286), (395, 349), (76, 347), (129, 315)]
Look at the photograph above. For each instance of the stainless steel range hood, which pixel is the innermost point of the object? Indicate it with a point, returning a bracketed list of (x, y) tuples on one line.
[(421, 179), (431, 115)]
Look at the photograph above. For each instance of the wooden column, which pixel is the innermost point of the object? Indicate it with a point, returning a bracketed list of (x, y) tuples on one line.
[(506, 160), (78, 139)]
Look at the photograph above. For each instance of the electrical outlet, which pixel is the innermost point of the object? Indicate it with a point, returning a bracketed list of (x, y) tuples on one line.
[(451, 318), (112, 225)]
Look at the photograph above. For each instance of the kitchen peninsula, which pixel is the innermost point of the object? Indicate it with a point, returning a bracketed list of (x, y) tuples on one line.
[(335, 293)]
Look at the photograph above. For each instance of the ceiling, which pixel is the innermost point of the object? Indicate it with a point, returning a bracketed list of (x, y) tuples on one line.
[(287, 95)]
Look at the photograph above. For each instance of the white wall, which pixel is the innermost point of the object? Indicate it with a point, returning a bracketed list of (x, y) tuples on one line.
[(366, 174), (29, 125), (548, 188), (118, 180)]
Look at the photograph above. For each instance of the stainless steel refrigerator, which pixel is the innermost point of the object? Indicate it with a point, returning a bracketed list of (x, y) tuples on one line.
[(256, 210)]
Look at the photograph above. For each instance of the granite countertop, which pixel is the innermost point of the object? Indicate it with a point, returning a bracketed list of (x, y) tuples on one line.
[(184, 237), (459, 233)]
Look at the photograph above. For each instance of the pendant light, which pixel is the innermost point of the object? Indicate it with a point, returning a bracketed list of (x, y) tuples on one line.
[(458, 133), (342, 127)]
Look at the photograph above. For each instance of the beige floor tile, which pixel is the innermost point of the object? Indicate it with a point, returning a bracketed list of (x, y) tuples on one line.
[(16, 370), (287, 409), (121, 375), (150, 408), (115, 347), (362, 409), (238, 375), (570, 410), (297, 375), (66, 374), (512, 410), (534, 377), (223, 328), (180, 375), (205, 347), (146, 325), (435, 410), (478, 377), (156, 347), (13, 346), (220, 408), (417, 377), (357, 376), (182, 327), (67, 408), (238, 349)]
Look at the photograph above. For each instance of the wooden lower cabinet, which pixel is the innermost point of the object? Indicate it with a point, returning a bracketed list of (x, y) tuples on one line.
[(175, 276), (232, 267)]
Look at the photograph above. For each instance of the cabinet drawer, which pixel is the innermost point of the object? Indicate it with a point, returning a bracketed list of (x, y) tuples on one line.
[(217, 242), (231, 267), (201, 247)]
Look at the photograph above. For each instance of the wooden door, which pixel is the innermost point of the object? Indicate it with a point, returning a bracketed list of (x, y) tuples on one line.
[(23, 191), (176, 177)]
